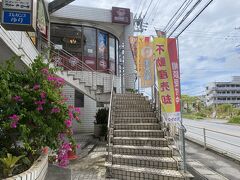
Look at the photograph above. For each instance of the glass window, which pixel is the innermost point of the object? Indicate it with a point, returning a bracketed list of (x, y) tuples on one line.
[(112, 54), (102, 50), (79, 99), (89, 44), (69, 37), (117, 56)]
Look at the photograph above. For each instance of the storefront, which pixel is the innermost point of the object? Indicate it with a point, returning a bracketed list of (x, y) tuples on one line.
[(96, 47)]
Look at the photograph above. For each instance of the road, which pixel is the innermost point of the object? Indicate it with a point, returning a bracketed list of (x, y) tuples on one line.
[(224, 143)]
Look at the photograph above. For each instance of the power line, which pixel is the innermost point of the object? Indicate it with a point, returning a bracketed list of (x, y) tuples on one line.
[(155, 12), (186, 16), (138, 7), (174, 15), (195, 17), (147, 9), (179, 15)]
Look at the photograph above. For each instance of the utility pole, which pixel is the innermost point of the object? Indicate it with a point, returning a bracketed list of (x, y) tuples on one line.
[(139, 25)]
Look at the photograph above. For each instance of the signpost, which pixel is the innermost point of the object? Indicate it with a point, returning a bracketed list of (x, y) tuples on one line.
[(19, 15)]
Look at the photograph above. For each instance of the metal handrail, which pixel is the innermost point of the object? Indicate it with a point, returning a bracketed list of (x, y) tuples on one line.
[(214, 131), (206, 145), (66, 54), (110, 116)]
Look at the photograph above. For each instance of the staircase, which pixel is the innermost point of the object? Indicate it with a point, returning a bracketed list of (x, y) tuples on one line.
[(139, 149), (80, 76)]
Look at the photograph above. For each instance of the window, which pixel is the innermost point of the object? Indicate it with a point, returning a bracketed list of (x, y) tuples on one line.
[(100, 104), (79, 99), (112, 54), (117, 56), (102, 50), (89, 44)]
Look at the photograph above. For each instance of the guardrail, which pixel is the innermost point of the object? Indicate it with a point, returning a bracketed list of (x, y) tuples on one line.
[(205, 135)]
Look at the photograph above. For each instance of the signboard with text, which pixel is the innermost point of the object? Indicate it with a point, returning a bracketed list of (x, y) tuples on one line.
[(18, 4), (19, 15), (121, 15), (167, 66), (17, 18)]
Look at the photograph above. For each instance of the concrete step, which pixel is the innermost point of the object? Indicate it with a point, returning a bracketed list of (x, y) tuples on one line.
[(142, 173), (120, 120), (135, 114), (138, 126), (146, 161), (142, 151), (128, 95), (127, 102), (140, 141), (123, 110), (132, 106), (139, 133)]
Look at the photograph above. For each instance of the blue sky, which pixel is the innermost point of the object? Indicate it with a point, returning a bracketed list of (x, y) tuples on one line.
[(208, 48)]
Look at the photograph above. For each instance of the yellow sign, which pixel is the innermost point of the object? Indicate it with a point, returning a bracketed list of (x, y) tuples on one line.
[(144, 61), (165, 55)]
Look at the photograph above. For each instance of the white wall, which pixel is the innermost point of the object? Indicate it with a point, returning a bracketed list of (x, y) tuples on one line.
[(89, 110)]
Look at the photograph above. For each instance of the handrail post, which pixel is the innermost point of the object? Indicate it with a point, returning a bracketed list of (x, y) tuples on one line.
[(204, 139), (182, 128)]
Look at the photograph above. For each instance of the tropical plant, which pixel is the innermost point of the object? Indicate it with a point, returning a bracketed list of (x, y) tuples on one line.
[(33, 111), (9, 163)]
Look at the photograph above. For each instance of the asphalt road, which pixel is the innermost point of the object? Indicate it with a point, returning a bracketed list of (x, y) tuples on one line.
[(224, 143)]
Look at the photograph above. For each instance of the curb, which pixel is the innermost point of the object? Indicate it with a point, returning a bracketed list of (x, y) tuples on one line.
[(202, 172)]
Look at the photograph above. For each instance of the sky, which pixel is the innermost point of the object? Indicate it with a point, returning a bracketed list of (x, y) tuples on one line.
[(208, 49)]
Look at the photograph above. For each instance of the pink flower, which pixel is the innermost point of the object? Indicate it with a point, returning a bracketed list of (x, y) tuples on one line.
[(70, 114), (40, 102), (77, 110), (15, 118), (78, 146), (39, 108), (43, 95), (58, 82), (17, 98), (68, 123), (70, 108), (77, 118), (55, 110), (36, 87), (13, 124), (45, 71)]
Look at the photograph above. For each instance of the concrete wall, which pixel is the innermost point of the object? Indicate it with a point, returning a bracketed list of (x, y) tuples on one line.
[(89, 110)]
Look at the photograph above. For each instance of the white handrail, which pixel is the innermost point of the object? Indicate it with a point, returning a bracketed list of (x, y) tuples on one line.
[(110, 116)]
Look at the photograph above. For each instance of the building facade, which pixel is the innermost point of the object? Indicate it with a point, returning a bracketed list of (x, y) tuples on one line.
[(224, 92), (90, 35)]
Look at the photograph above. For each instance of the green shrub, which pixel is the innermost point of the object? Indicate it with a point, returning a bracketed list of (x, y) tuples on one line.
[(235, 120), (102, 116)]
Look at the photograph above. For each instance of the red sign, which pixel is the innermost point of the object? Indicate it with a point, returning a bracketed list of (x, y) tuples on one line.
[(120, 15)]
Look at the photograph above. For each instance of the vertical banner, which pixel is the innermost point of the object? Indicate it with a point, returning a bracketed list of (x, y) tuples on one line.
[(133, 40), (144, 61), (167, 65)]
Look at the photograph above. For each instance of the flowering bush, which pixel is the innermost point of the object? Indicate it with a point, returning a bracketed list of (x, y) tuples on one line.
[(33, 113)]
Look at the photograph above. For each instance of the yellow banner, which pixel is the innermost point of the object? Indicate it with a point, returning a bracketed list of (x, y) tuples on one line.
[(144, 61), (165, 55)]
